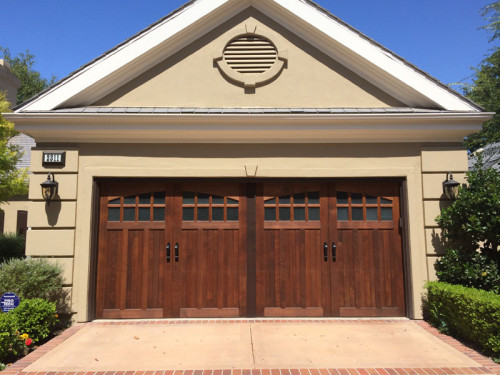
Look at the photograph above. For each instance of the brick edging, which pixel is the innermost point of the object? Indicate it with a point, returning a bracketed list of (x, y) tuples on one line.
[(457, 345), (236, 321), (39, 352), (334, 371)]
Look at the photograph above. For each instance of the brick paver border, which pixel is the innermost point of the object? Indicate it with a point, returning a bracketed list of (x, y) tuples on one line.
[(487, 365)]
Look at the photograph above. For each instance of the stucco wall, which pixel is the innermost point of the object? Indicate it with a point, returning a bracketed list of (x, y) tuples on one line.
[(190, 79), (436, 162), (10, 208), (68, 223)]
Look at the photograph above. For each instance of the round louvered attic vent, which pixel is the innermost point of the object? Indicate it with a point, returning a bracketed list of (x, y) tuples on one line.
[(250, 54), (250, 59)]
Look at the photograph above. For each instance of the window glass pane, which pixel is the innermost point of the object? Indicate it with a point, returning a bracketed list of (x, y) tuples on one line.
[(357, 213), (114, 214), (217, 200), (232, 214), (371, 200), (129, 200), (218, 214), (159, 198), (144, 214), (270, 201), (313, 197), (188, 214), (343, 214), (385, 201), (129, 214), (356, 198), (188, 198), (372, 213), (203, 198), (285, 214), (299, 199), (145, 199), (270, 214), (159, 214), (284, 200), (115, 201), (313, 213), (202, 214), (386, 213), (299, 214), (342, 197), (232, 202)]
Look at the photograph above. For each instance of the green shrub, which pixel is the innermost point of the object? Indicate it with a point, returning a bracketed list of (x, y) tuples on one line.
[(470, 269), (469, 314), (35, 317), (33, 278), (11, 246), (12, 346)]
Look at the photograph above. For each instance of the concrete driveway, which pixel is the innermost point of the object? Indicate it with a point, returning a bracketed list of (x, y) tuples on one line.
[(345, 347)]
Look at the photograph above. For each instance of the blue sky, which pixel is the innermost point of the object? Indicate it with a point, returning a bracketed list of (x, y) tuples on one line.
[(439, 36)]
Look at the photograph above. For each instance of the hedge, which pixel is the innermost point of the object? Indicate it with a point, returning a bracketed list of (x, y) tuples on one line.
[(11, 246), (469, 314)]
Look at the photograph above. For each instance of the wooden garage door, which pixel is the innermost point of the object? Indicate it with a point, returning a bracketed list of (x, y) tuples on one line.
[(224, 249), (171, 250)]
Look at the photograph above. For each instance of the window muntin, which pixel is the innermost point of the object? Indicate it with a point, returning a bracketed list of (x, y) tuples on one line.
[(298, 207), (361, 207), (202, 207)]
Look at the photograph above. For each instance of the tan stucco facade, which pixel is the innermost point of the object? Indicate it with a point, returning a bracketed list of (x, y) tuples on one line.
[(318, 118), (190, 79), (68, 223)]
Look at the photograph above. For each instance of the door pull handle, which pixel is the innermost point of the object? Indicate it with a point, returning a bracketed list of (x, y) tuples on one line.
[(334, 252), (168, 252), (325, 252), (177, 251)]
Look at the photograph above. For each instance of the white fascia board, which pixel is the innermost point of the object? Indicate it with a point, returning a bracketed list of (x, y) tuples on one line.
[(372, 53), (154, 128), (123, 55)]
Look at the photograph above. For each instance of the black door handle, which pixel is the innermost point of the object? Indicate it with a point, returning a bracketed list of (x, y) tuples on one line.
[(334, 252), (168, 252), (177, 251), (325, 252)]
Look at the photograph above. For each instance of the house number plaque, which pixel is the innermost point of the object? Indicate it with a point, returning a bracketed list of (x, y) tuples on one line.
[(54, 159)]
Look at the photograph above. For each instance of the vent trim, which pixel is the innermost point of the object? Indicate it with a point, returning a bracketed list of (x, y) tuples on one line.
[(250, 59)]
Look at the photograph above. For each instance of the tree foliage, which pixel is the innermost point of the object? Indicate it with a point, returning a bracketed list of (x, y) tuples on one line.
[(485, 87), (491, 13), (471, 227), (31, 81), (12, 180)]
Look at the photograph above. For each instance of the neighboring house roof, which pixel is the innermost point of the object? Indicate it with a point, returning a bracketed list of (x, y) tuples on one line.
[(490, 154), (306, 19), (10, 83)]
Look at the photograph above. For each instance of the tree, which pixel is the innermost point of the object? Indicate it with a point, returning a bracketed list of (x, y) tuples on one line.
[(12, 180), (485, 91), (471, 228), (31, 81), (485, 88)]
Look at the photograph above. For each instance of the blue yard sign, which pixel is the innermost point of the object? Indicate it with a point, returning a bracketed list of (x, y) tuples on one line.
[(9, 301)]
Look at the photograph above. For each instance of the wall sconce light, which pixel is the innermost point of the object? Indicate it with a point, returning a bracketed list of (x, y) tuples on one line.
[(450, 187), (49, 188)]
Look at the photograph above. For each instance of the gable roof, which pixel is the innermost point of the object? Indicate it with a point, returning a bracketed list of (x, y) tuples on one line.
[(306, 19)]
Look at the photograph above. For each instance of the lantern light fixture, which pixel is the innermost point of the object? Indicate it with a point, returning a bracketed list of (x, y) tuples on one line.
[(49, 188), (450, 187)]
